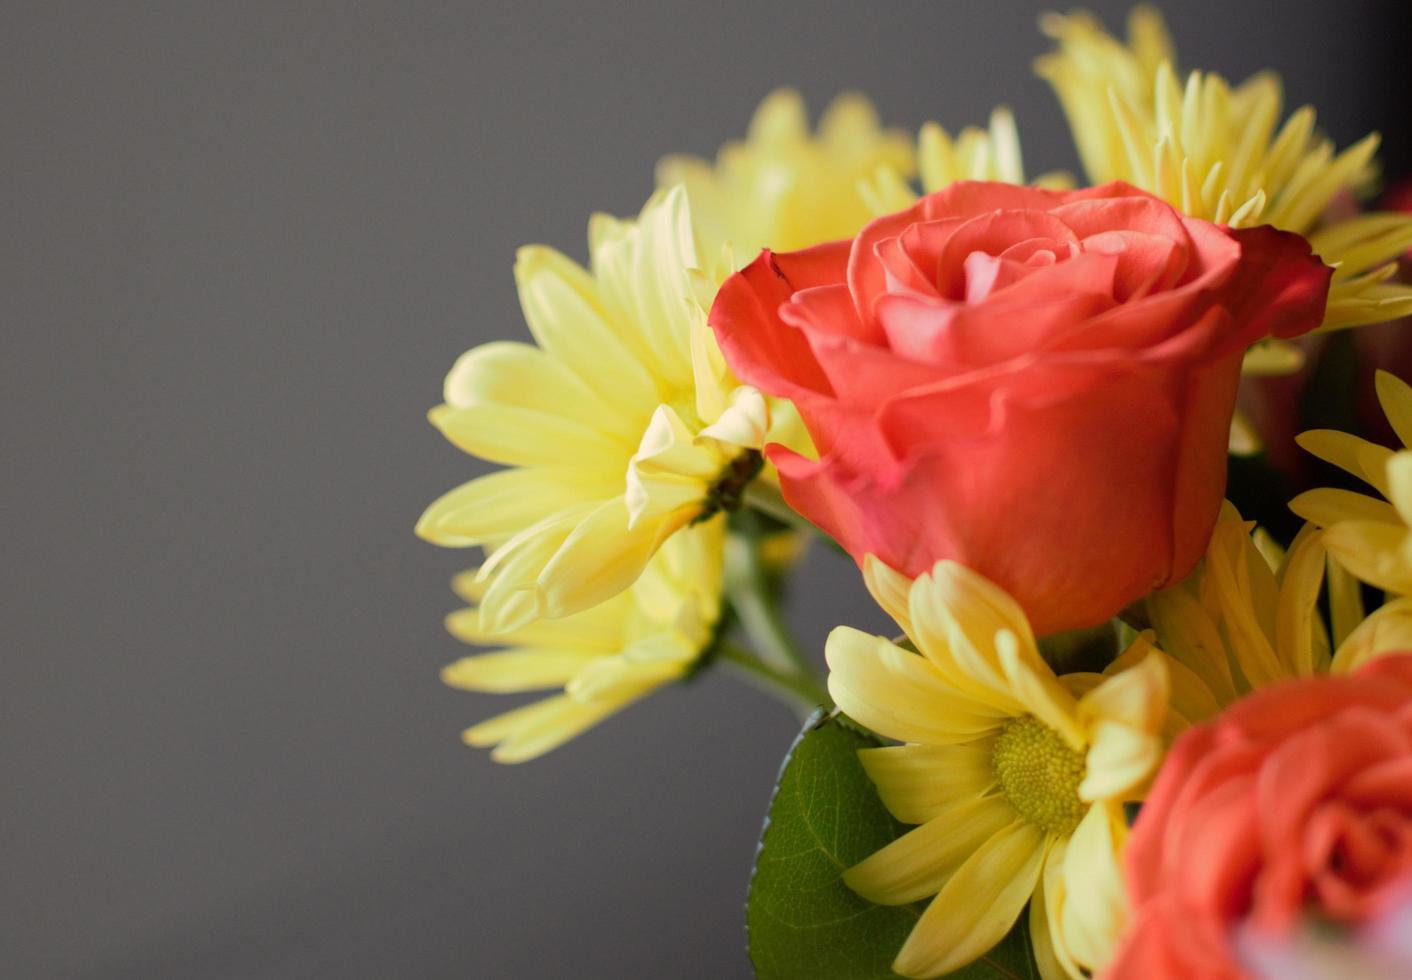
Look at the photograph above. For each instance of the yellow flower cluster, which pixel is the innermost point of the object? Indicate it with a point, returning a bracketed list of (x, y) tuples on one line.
[(1016, 777), (624, 439)]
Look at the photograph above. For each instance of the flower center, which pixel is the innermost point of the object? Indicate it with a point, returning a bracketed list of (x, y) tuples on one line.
[(728, 491), (1040, 775)]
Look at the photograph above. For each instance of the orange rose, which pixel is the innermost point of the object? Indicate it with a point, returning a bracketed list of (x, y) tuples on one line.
[(1294, 803), (1036, 384)]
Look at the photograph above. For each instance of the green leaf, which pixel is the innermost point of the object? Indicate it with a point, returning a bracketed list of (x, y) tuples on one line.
[(804, 923)]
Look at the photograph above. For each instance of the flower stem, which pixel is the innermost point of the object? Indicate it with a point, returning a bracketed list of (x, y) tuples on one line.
[(802, 692), (765, 497), (751, 596)]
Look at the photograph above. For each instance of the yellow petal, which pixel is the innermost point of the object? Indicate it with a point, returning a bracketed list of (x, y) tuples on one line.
[(561, 305), (1300, 640), (498, 506), (1046, 909), (977, 906), (529, 732), (508, 671), (1399, 484), (1395, 397), (599, 558), (1190, 636), (671, 471), (1120, 761), (956, 615), (1388, 630), (615, 678), (1328, 505), (528, 437), (891, 589), (1095, 900), (1374, 552), (643, 273), (600, 629), (744, 423), (899, 694), (1191, 700), (920, 862), (1360, 457), (514, 375), (1039, 691), (918, 782), (1135, 697)]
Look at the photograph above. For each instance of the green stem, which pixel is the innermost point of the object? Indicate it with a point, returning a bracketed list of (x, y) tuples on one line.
[(748, 587), (765, 497), (800, 691)]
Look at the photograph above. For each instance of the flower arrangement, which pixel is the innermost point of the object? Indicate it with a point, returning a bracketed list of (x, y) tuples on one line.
[(1120, 730)]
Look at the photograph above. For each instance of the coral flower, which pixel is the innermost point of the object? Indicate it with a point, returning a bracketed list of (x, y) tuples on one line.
[(1021, 380), (1016, 777), (1295, 804)]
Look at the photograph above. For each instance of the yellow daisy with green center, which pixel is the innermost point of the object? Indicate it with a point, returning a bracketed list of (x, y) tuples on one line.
[(1016, 777)]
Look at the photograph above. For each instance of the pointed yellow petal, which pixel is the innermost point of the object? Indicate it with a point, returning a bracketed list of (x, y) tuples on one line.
[(977, 906), (599, 558), (918, 863), (919, 782), (1375, 552), (1095, 900), (529, 732), (1328, 505), (1395, 397), (1360, 457), (899, 694), (498, 506), (561, 305), (1388, 630), (528, 437), (891, 589), (509, 671)]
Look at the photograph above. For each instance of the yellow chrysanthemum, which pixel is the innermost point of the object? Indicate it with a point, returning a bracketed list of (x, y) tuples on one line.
[(1016, 777), (784, 188), (1244, 618), (621, 427), (973, 154), (1213, 150), (1372, 538), (604, 658)]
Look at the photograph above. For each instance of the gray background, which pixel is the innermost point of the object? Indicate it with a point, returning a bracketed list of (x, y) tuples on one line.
[(240, 245)]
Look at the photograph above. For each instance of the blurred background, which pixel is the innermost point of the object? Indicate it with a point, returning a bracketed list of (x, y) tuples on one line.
[(240, 246)]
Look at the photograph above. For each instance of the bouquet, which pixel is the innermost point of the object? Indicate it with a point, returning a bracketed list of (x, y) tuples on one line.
[(1147, 711)]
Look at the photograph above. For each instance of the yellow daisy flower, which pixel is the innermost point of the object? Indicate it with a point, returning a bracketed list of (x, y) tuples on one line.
[(621, 427), (1016, 777), (784, 188), (973, 154), (603, 658), (1368, 536), (1246, 616), (1214, 150)]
